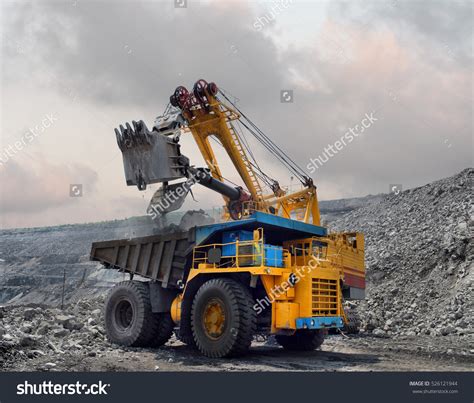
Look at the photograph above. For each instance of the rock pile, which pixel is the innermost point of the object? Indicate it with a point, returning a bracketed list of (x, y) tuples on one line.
[(31, 332), (419, 260)]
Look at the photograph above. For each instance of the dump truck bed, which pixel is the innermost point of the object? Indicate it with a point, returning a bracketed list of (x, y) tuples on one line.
[(162, 258)]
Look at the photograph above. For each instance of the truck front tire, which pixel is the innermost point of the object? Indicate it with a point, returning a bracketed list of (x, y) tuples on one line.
[(302, 340), (129, 320), (223, 320)]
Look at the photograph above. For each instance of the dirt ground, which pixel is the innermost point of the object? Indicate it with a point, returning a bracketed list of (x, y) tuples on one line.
[(338, 353)]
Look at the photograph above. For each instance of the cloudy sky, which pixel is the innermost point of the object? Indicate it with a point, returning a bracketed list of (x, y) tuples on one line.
[(73, 70)]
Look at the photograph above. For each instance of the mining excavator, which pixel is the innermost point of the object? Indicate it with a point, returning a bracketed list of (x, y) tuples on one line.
[(266, 267)]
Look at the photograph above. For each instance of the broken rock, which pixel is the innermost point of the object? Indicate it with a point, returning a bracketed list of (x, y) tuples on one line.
[(60, 333), (29, 340), (69, 322), (29, 313)]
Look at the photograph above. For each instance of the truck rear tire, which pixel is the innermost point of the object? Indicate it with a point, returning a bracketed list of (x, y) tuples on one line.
[(223, 320), (163, 329), (186, 338), (302, 340), (129, 320)]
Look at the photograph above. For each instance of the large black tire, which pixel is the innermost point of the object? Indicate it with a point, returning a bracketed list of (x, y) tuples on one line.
[(186, 338), (163, 329), (234, 328), (302, 340), (129, 320)]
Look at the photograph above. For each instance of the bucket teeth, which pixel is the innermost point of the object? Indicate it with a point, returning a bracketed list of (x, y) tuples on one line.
[(149, 156), (119, 137), (128, 137), (135, 126), (135, 131)]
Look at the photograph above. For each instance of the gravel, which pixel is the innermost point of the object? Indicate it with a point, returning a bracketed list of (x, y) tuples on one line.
[(27, 333), (419, 259)]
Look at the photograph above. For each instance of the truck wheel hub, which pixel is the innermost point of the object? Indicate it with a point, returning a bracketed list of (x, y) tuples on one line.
[(124, 314), (214, 318)]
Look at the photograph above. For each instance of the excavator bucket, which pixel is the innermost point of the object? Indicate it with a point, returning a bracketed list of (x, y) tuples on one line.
[(149, 156)]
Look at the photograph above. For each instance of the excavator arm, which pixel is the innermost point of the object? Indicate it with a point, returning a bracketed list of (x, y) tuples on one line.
[(155, 156)]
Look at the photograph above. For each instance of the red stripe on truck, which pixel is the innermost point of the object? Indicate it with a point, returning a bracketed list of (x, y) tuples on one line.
[(354, 281)]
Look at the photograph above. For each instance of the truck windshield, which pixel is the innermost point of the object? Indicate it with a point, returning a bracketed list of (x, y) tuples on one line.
[(319, 249)]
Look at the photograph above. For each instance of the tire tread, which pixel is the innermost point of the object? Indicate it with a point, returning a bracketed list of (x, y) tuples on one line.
[(242, 304), (153, 330)]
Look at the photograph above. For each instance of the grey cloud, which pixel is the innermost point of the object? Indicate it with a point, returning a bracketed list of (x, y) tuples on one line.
[(136, 53), (441, 29), (36, 186)]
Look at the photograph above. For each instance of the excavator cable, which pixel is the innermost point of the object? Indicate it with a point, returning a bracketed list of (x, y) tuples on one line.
[(228, 180), (276, 154), (258, 172), (269, 144), (235, 184), (274, 149), (253, 161)]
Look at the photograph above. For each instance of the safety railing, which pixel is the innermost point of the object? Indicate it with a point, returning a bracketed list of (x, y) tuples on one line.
[(237, 254), (241, 257)]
